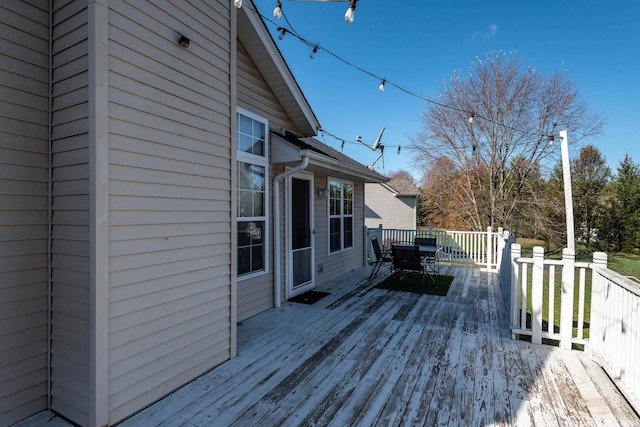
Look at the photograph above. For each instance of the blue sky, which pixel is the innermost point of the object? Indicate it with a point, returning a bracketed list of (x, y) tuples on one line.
[(417, 44)]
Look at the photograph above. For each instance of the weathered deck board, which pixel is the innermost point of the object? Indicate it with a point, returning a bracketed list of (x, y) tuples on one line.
[(364, 356)]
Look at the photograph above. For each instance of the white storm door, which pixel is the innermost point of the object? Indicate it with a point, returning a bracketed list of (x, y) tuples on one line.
[(300, 254)]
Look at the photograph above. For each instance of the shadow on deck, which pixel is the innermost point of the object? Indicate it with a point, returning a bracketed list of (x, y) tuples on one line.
[(365, 356)]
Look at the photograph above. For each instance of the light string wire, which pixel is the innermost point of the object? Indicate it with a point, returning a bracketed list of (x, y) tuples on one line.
[(410, 92)]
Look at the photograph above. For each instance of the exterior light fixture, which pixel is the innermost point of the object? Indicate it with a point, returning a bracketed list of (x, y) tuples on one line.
[(282, 33), (381, 87), (471, 117), (551, 139), (313, 52), (348, 17), (237, 3), (277, 12), (184, 41)]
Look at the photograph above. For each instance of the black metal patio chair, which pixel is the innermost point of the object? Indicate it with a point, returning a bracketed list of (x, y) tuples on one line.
[(406, 258), (381, 257)]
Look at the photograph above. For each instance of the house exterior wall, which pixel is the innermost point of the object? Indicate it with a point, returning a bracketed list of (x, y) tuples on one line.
[(256, 294), (170, 183), (333, 266), (70, 234), (383, 207), (24, 218)]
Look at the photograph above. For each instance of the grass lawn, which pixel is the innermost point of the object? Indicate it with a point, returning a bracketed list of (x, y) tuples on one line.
[(625, 264)]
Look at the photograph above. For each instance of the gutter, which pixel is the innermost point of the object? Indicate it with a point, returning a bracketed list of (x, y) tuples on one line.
[(276, 223)]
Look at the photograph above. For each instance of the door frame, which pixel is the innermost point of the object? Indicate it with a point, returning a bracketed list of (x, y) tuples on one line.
[(289, 290)]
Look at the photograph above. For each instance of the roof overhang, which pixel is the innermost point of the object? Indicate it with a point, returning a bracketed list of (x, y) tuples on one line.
[(396, 193), (256, 39), (287, 154)]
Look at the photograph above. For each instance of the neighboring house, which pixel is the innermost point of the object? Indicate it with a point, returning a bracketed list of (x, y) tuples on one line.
[(392, 204), (151, 196)]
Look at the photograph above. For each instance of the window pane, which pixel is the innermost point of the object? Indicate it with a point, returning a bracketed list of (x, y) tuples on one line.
[(244, 260), (258, 147), (258, 129), (334, 190), (258, 204), (250, 246), (348, 232), (245, 176), (244, 239), (257, 179), (244, 143), (245, 203), (245, 124), (334, 207), (348, 199), (347, 207), (334, 234), (255, 230), (257, 263)]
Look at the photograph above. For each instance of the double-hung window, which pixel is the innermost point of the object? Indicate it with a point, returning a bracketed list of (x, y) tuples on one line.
[(340, 215), (251, 191)]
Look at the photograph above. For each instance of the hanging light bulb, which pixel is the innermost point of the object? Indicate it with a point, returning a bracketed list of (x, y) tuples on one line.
[(277, 12), (237, 3), (313, 52), (282, 33), (348, 17), (381, 87), (471, 116)]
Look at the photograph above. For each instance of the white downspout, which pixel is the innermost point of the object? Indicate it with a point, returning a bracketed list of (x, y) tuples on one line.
[(276, 225)]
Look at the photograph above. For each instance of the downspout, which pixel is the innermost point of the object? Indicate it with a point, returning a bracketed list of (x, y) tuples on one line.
[(50, 213), (276, 225)]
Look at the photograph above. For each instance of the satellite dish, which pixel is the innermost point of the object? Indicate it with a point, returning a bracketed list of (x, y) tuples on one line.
[(376, 144)]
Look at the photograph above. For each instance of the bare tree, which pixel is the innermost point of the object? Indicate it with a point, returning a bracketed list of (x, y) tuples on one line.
[(494, 125)]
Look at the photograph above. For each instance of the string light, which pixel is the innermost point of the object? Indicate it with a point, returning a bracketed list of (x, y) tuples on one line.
[(349, 15), (277, 12), (383, 81), (313, 52)]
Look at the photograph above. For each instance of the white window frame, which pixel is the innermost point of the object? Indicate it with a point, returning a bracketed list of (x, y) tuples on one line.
[(341, 215), (262, 161)]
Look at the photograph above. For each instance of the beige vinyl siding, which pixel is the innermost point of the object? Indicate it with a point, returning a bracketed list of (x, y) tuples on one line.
[(24, 172), (170, 192), (383, 207), (70, 303), (256, 294), (337, 264), (255, 95)]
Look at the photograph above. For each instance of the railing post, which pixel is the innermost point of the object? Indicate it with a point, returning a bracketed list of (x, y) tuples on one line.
[(515, 286), (489, 248), (537, 278), (500, 249), (566, 306), (597, 304)]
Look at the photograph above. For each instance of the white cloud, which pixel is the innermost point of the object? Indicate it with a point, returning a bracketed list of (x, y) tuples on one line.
[(491, 33)]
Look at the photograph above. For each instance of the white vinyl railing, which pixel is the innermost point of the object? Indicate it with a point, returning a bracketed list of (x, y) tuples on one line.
[(539, 287), (615, 329), (472, 248)]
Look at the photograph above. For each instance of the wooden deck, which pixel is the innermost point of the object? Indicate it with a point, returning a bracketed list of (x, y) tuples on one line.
[(364, 356)]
